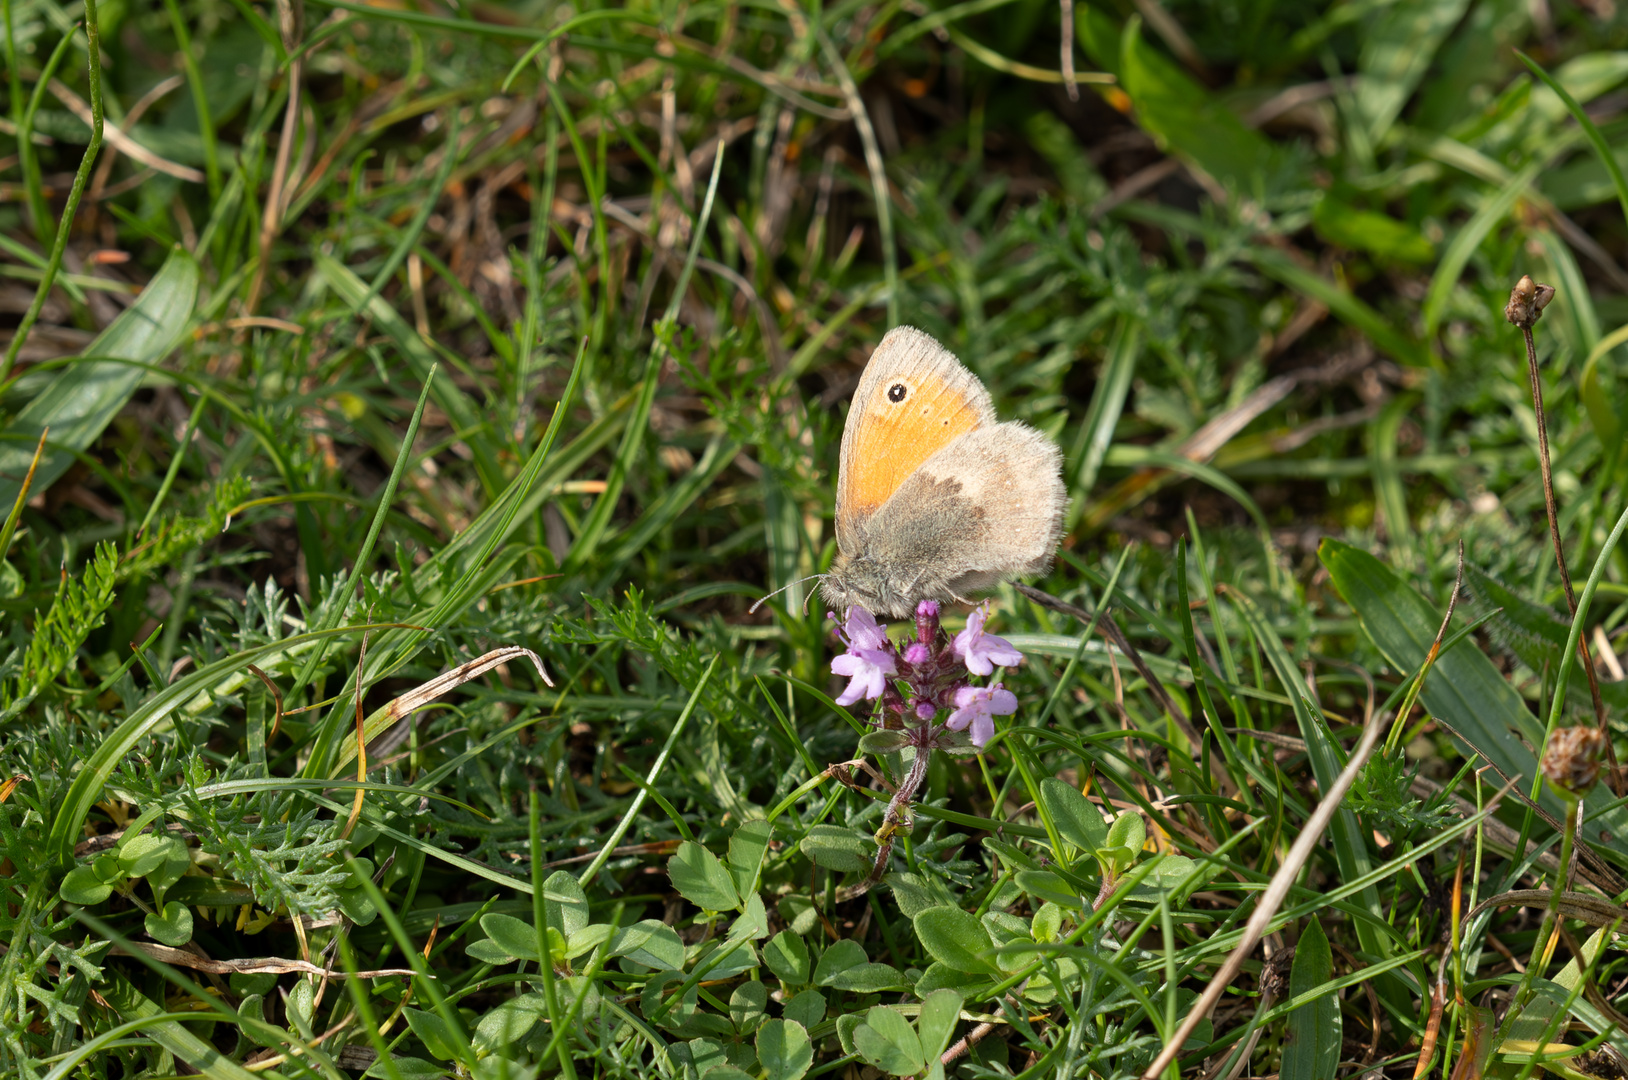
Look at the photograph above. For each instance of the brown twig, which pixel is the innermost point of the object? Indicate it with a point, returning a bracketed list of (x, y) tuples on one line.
[(1526, 303)]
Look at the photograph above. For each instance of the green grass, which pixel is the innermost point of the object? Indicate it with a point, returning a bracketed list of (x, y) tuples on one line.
[(366, 340)]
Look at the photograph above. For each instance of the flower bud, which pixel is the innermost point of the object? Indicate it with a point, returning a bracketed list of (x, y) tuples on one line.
[(1527, 301), (1571, 760)]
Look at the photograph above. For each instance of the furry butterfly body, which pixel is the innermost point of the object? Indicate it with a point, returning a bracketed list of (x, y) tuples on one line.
[(936, 499)]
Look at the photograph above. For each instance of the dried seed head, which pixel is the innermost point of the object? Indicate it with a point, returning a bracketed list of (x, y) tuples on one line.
[(1527, 301), (1571, 761)]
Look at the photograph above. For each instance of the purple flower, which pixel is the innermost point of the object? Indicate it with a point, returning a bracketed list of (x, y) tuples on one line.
[(917, 653), (978, 706), (981, 651), (869, 659), (861, 631)]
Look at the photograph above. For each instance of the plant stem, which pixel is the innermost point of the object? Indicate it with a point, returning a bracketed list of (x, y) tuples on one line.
[(898, 809), (1527, 319)]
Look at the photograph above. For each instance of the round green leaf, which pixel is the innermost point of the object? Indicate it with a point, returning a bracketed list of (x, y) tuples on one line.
[(955, 939), (887, 1041), (787, 957), (81, 886), (172, 925), (142, 854), (516, 938), (783, 1049)]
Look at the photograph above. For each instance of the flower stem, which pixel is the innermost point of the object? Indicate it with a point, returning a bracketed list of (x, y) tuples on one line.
[(898, 810), (1525, 317)]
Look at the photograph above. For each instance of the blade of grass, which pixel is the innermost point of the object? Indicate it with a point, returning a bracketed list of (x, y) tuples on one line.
[(1596, 140), (615, 838), (93, 78), (633, 438), (79, 402), (339, 600)]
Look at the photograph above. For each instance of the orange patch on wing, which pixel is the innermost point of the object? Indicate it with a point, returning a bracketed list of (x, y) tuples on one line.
[(895, 438)]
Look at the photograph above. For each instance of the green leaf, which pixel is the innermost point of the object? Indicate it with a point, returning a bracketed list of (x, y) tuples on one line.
[(726, 1072), (753, 921), (508, 1024), (650, 943), (884, 741), (847, 1024), (1125, 839), (936, 1022), (586, 939), (1311, 1047), (836, 848), (84, 397), (565, 905), (172, 925), (1047, 921), (915, 894), (1075, 819), (82, 886), (955, 938), (1378, 234), (433, 1033), (787, 957), (887, 1041), (701, 879), (131, 1004), (784, 1050), (1048, 887), (746, 850), (408, 1068), (869, 979), (517, 938), (1397, 47), (140, 855), (747, 1007), (700, 1055), (487, 951), (807, 1008), (176, 863), (1191, 121)]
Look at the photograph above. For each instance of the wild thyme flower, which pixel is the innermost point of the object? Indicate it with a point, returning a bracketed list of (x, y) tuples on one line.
[(920, 680), (976, 708), (982, 652), (917, 682), (870, 658)]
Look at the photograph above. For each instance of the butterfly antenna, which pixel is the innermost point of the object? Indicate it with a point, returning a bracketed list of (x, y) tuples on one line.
[(765, 599)]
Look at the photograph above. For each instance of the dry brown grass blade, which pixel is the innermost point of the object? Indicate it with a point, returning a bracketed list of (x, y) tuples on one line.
[(127, 146), (1594, 910), (265, 965)]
